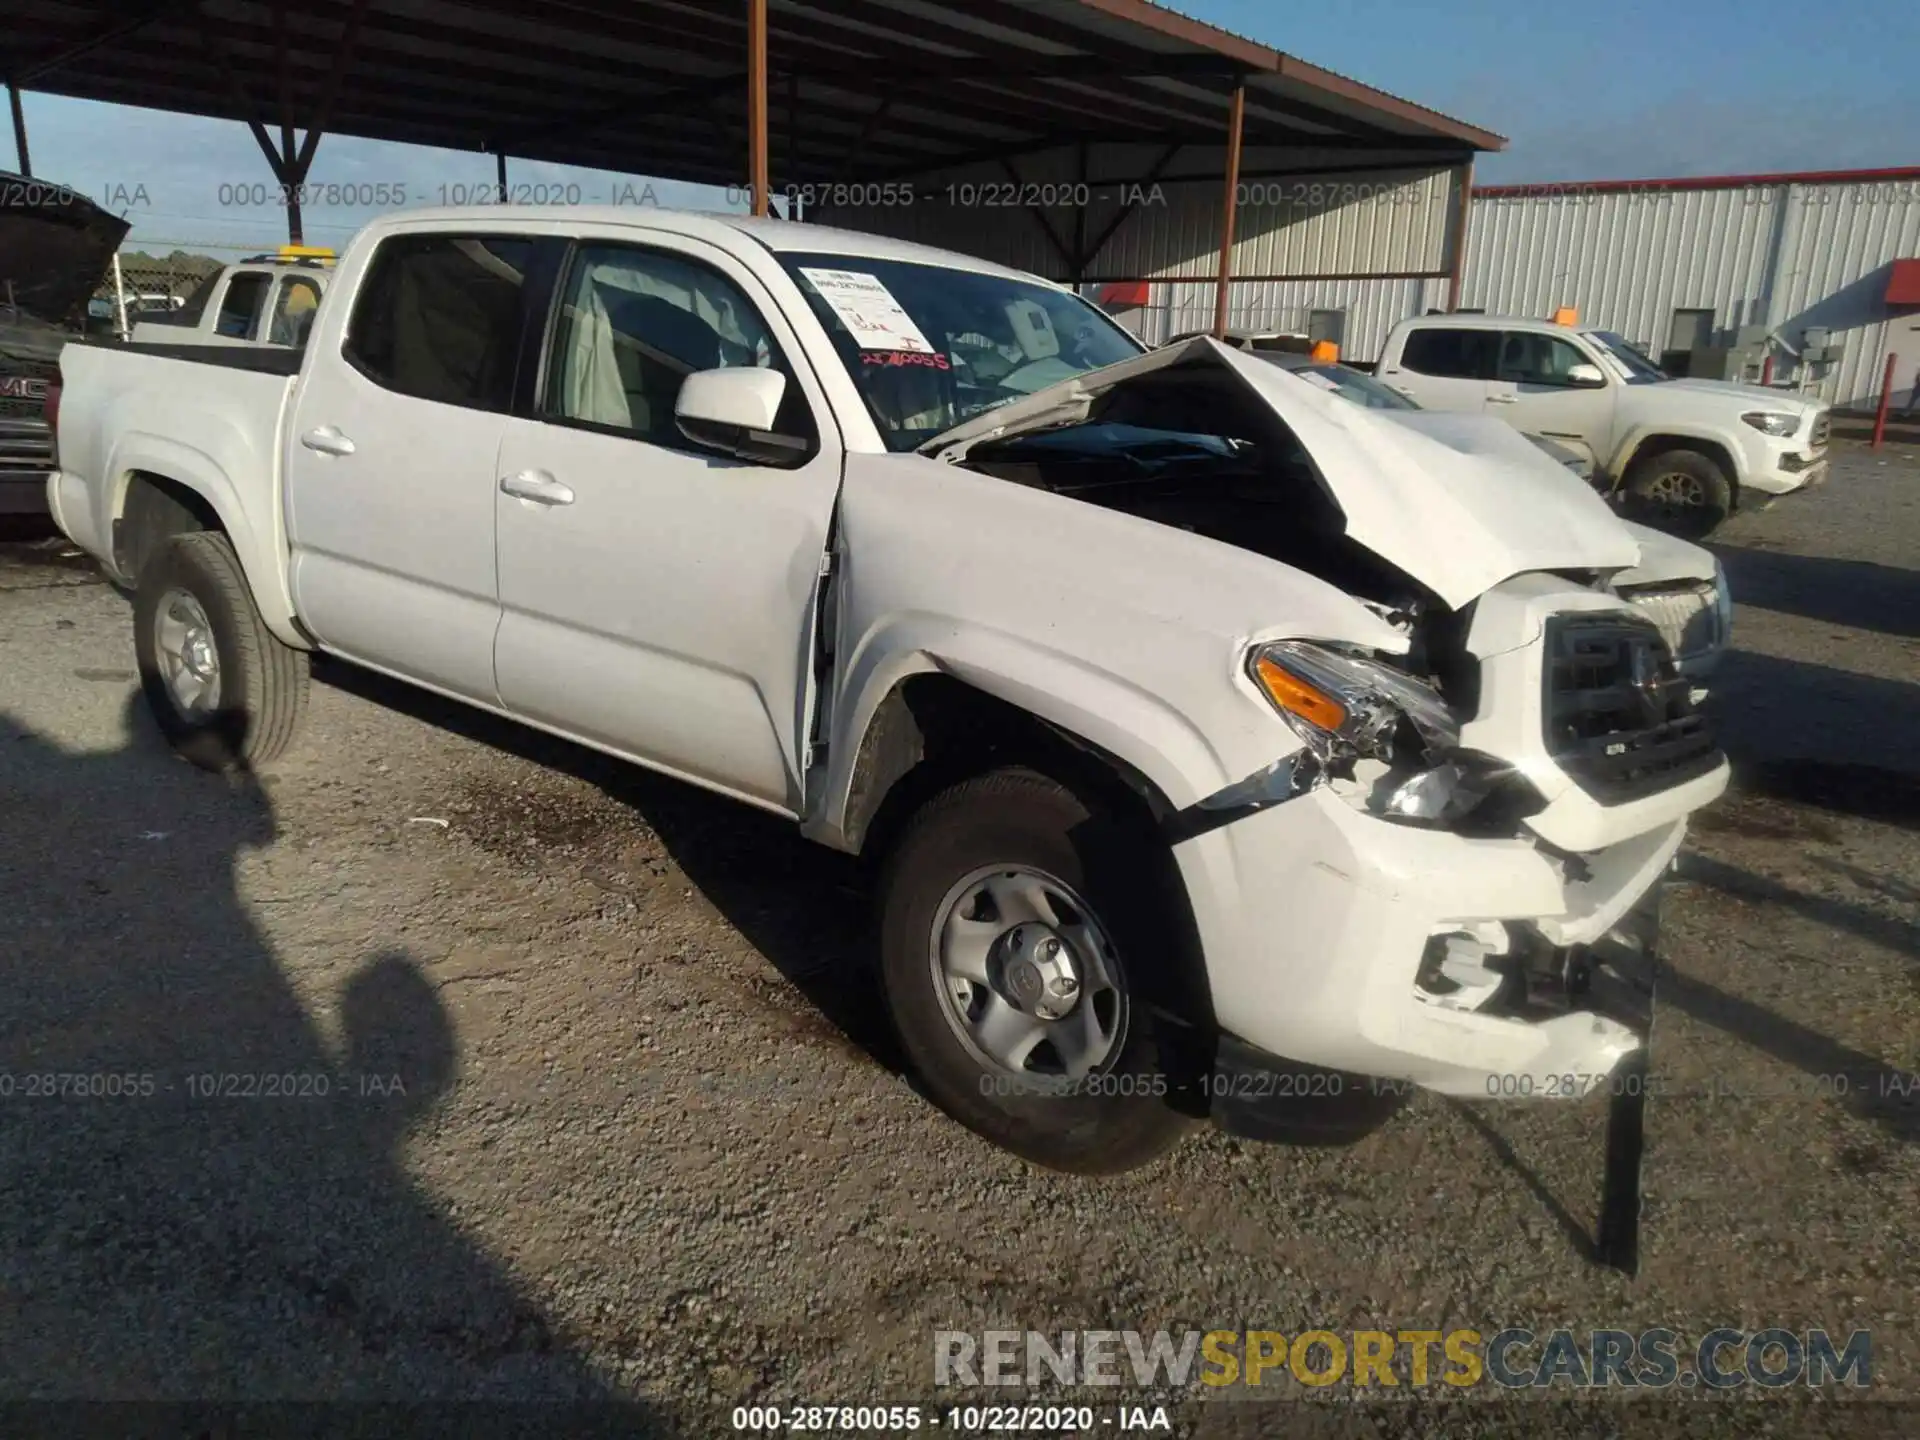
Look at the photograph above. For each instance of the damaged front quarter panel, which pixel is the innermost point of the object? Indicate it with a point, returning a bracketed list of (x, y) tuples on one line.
[(1128, 634)]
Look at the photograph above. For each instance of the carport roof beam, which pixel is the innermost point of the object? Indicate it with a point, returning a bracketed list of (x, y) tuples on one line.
[(969, 77)]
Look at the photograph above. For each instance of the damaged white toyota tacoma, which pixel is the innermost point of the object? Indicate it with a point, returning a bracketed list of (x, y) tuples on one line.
[(1230, 748)]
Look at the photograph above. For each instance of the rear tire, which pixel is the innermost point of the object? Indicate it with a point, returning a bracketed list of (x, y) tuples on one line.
[(1683, 492), (223, 690), (1101, 909)]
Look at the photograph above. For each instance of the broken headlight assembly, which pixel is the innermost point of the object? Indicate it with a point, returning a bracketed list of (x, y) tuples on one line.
[(1388, 739)]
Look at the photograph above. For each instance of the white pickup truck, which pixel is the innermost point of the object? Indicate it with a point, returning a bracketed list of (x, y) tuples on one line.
[(1231, 748), (266, 300), (1681, 454)]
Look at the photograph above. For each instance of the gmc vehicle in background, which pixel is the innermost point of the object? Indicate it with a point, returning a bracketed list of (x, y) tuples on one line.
[(1680, 454), (1229, 748), (54, 247)]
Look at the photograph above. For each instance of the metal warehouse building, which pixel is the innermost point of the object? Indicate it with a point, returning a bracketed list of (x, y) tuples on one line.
[(1681, 267)]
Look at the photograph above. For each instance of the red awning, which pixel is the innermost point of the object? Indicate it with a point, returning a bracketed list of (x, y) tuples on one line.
[(1903, 285), (1126, 292)]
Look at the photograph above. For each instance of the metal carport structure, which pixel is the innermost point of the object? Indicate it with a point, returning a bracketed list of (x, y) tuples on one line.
[(766, 93)]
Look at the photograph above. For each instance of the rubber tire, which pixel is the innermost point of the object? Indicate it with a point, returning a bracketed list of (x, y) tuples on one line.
[(263, 682), (1693, 522), (1018, 816)]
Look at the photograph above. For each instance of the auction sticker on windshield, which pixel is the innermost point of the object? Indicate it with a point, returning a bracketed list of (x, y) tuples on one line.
[(867, 308)]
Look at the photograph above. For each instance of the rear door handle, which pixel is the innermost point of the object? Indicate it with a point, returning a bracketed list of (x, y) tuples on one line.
[(1501, 399), (537, 486), (327, 440)]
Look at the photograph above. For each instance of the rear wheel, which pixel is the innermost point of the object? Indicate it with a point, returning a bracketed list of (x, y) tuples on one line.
[(1023, 945), (223, 690), (1683, 492)]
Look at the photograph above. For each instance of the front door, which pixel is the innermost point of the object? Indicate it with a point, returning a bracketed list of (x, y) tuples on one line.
[(659, 599), (1533, 389), (391, 460)]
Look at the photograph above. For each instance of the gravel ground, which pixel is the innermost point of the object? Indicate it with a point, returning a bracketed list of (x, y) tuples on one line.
[(609, 1113)]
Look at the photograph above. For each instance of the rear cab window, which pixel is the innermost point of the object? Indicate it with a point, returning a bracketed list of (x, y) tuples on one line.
[(438, 317), (1451, 352)]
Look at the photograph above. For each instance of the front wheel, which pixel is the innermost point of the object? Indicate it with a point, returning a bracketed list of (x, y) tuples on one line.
[(1022, 939), (223, 690), (1683, 492)]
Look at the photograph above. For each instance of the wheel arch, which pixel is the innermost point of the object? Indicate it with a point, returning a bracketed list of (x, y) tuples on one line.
[(163, 488), (1647, 444)]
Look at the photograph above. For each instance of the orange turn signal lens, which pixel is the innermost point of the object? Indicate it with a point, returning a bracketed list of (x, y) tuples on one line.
[(1295, 695)]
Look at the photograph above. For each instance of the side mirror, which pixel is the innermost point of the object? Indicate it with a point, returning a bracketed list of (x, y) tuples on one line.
[(1586, 376), (732, 410)]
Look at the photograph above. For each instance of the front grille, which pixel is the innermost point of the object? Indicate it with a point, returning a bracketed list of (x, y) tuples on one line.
[(14, 407), (1618, 716), (1822, 426), (1686, 618)]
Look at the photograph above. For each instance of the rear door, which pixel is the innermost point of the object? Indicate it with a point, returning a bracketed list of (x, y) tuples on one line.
[(391, 461), (1444, 367), (657, 598)]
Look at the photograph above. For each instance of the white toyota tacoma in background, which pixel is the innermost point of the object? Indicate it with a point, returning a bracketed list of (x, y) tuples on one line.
[(1681, 454), (1231, 749)]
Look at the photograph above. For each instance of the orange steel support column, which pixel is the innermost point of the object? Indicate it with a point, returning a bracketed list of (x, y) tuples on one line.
[(1227, 209), (757, 101)]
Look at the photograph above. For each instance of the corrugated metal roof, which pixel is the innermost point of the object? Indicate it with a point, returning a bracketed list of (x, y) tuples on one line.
[(859, 88)]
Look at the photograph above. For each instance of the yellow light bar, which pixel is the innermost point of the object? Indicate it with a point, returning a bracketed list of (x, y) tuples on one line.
[(1324, 352), (1566, 315), (306, 252), (1292, 693)]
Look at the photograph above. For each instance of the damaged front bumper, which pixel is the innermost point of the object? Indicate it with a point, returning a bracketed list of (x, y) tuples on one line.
[(1351, 944)]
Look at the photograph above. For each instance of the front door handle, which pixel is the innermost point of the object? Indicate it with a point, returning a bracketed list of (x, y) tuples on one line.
[(1501, 399), (327, 440), (537, 486)]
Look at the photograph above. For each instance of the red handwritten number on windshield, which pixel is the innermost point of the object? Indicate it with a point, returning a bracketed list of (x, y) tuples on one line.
[(902, 357)]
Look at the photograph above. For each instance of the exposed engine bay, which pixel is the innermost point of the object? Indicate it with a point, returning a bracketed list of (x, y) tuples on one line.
[(1188, 448)]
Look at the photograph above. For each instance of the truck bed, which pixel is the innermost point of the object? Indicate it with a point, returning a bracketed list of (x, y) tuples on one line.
[(266, 359)]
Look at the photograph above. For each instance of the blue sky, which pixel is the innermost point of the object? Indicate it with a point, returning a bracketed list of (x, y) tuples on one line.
[(1596, 90)]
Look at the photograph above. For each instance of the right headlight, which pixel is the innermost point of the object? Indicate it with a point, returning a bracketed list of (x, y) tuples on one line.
[(1771, 422), (1346, 707)]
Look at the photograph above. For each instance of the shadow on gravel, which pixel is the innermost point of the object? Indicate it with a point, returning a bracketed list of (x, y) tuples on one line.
[(800, 905), (203, 1197), (1856, 593), (1816, 736)]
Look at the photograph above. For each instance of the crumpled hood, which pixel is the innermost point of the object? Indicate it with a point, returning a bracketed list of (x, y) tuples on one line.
[(1459, 502), (1665, 560), (52, 254)]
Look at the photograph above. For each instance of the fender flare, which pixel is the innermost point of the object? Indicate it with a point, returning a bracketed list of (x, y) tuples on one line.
[(1100, 708), (261, 559), (1628, 450)]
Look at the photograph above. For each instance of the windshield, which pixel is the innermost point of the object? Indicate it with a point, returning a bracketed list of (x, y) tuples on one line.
[(1349, 384), (929, 347), (1632, 366)]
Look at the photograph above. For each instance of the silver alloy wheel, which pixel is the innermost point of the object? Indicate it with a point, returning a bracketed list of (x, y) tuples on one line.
[(189, 658), (1026, 974), (1678, 488)]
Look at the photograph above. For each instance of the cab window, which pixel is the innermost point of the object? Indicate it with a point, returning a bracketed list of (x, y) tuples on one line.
[(1451, 352), (240, 306), (634, 323), (293, 311), (1530, 358), (438, 317)]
